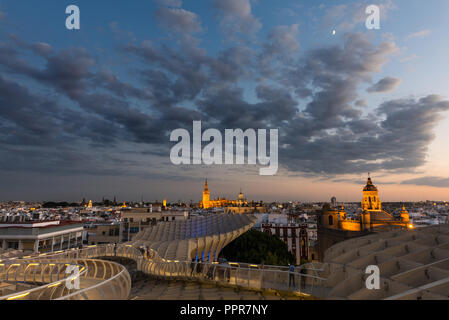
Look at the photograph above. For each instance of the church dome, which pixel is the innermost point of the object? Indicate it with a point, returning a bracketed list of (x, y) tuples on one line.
[(370, 186)]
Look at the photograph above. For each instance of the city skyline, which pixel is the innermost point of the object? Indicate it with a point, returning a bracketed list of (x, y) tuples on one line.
[(87, 113)]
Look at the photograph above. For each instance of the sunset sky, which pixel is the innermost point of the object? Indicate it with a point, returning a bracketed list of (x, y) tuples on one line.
[(88, 113)]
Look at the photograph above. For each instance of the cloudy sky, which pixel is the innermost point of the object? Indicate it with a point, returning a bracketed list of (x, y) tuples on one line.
[(88, 113)]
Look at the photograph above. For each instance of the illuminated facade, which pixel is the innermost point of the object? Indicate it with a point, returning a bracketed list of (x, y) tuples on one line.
[(207, 203), (371, 201), (371, 217)]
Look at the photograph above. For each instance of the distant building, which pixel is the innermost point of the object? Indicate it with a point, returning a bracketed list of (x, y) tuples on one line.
[(239, 206), (335, 225), (371, 217), (135, 220), (103, 233), (207, 203), (334, 201), (41, 236), (294, 235)]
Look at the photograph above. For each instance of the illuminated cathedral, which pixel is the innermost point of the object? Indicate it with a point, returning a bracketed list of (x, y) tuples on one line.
[(207, 203), (371, 217)]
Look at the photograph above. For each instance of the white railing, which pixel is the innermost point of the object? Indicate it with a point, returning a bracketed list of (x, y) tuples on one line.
[(50, 274), (99, 279), (249, 276)]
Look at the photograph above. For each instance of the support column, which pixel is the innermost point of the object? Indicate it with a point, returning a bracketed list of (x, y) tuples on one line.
[(4, 245), (68, 245), (52, 243), (62, 241), (20, 245), (120, 232), (36, 246)]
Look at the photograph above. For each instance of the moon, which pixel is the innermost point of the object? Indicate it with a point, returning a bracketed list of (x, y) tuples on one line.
[(334, 32)]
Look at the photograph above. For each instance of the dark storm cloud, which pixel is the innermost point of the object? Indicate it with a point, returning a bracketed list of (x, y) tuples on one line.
[(27, 119), (399, 142), (312, 97), (361, 103), (283, 40), (40, 48), (237, 17), (384, 85), (228, 108), (109, 81), (331, 136), (437, 182)]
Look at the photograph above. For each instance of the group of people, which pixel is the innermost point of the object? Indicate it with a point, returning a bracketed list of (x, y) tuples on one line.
[(291, 280), (220, 270), (146, 252), (196, 267)]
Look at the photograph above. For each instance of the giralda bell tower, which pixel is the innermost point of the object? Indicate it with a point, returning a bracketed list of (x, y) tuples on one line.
[(206, 197)]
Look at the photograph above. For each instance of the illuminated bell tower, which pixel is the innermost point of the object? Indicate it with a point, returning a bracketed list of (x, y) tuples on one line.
[(371, 201), (404, 214), (206, 197)]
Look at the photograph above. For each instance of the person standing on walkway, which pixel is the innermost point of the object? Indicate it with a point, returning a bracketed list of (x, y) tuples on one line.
[(291, 277), (303, 278), (192, 267), (199, 267), (144, 251)]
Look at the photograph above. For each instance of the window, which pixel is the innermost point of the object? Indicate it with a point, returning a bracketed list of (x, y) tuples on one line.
[(13, 245), (331, 220)]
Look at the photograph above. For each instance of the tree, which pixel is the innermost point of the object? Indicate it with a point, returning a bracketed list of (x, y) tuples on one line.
[(257, 247)]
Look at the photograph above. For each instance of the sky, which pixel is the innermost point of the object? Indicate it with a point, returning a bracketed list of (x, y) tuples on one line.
[(88, 113)]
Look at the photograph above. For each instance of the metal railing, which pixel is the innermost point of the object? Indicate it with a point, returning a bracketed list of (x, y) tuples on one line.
[(304, 281), (98, 279), (250, 277), (44, 278)]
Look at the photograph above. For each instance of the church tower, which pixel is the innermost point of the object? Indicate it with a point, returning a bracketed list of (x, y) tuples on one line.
[(404, 215), (371, 201), (206, 197)]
